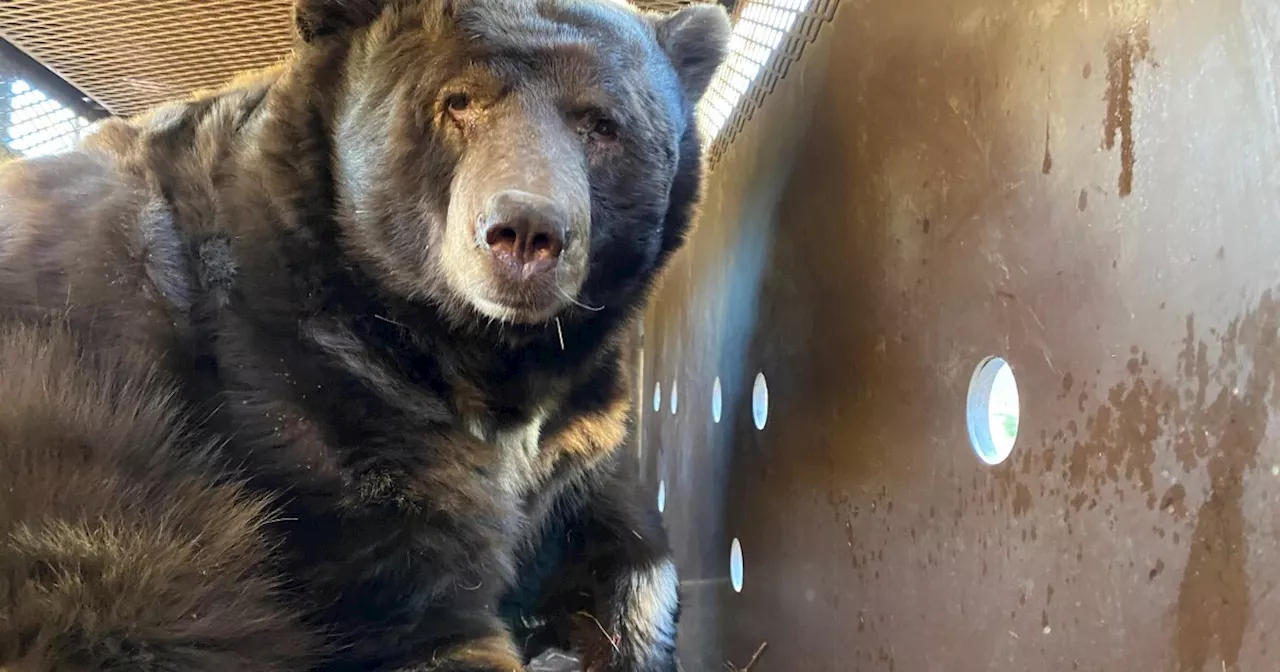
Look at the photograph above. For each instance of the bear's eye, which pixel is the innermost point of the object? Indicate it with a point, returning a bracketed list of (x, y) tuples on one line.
[(457, 102), (604, 129)]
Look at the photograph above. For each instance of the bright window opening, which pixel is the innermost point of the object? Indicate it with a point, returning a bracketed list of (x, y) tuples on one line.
[(992, 410), (33, 124), (761, 28)]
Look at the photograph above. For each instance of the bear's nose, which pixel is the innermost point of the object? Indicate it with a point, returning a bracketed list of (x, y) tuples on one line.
[(525, 231)]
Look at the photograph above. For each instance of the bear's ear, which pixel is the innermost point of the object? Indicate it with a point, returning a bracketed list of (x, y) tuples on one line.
[(318, 18), (696, 39)]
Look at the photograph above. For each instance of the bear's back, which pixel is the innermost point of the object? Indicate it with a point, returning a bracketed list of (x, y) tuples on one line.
[(124, 543), (103, 237)]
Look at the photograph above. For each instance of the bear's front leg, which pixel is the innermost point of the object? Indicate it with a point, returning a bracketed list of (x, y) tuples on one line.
[(632, 625), (407, 568), (495, 652), (453, 601), (601, 581), (446, 620)]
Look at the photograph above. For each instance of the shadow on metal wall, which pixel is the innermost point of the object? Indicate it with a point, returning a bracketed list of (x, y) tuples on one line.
[(1084, 189)]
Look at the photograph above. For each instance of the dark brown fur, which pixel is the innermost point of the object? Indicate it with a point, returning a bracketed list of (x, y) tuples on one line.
[(118, 550), (287, 251)]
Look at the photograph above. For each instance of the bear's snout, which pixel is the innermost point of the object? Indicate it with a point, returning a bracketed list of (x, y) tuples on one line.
[(524, 232)]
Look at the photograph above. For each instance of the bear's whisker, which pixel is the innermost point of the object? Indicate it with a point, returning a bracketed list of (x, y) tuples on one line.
[(570, 299)]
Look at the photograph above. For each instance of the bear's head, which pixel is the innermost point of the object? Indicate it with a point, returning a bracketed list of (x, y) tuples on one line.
[(514, 159)]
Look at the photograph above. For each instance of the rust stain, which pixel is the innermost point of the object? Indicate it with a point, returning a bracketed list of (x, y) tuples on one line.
[(1174, 501), (1190, 445), (1047, 165), (1214, 414), (1214, 608), (1118, 441), (1021, 499), (1123, 54)]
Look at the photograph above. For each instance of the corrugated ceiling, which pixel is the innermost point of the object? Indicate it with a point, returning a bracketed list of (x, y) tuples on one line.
[(131, 54), (128, 55)]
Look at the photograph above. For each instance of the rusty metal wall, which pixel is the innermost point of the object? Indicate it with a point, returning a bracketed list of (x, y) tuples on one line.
[(1087, 188)]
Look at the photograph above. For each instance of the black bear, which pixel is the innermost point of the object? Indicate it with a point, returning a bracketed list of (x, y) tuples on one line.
[(328, 369)]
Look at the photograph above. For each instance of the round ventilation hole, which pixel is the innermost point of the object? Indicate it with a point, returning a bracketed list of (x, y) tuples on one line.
[(675, 396), (735, 565), (992, 410), (662, 496), (657, 396), (760, 401), (716, 401)]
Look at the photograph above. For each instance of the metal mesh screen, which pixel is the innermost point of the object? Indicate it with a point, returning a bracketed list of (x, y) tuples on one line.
[(768, 36), (129, 55), (34, 120), (132, 54)]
